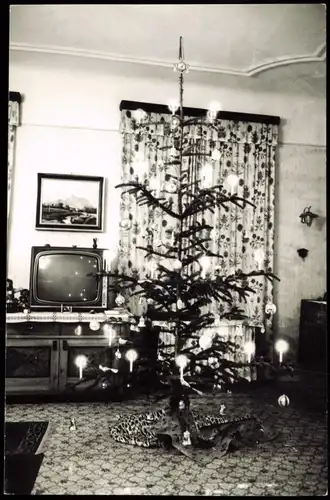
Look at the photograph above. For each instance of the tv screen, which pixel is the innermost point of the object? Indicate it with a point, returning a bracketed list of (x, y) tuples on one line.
[(70, 277), (67, 277)]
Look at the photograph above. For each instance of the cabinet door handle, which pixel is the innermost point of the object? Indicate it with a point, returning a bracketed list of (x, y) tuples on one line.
[(30, 327), (65, 345), (54, 345)]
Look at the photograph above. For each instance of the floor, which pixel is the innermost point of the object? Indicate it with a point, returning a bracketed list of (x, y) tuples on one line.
[(86, 461)]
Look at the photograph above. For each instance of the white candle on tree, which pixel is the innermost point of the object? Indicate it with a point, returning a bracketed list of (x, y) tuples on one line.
[(81, 363), (250, 349), (109, 332), (281, 347), (181, 361), (131, 356)]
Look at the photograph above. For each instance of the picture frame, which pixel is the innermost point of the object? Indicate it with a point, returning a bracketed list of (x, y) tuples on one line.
[(70, 203)]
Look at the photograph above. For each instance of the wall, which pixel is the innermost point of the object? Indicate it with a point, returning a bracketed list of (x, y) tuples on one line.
[(70, 119)]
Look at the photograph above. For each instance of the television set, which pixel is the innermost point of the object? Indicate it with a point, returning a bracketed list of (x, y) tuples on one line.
[(67, 279)]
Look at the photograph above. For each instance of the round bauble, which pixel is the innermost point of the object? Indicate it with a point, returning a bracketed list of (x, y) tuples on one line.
[(94, 325), (177, 264), (205, 342), (125, 224), (283, 400), (270, 308)]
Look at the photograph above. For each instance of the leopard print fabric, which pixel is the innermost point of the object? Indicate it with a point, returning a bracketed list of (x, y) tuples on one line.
[(139, 429)]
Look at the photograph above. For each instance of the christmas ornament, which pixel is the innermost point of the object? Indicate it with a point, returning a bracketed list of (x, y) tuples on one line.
[(283, 400), (139, 115), (172, 151), (205, 342), (181, 66), (78, 330), (186, 439), (270, 308), (177, 264), (131, 356), (181, 405), (73, 426), (175, 122), (180, 304), (120, 300), (125, 224), (215, 155), (118, 354), (94, 325), (171, 186), (122, 341), (104, 385), (212, 361), (222, 409), (106, 369), (142, 322)]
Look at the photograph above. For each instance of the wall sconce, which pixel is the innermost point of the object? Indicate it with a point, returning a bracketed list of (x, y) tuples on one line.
[(302, 252), (307, 216)]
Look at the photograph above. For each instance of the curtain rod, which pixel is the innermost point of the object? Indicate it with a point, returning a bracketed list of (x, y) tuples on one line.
[(15, 96), (196, 112)]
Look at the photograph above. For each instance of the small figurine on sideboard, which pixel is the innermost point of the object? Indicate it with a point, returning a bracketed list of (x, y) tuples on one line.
[(14, 304), (11, 301), (23, 300)]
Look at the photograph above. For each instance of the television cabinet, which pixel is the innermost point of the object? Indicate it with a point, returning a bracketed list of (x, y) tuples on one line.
[(41, 348)]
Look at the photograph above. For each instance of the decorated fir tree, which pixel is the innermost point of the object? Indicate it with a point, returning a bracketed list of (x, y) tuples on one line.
[(179, 290)]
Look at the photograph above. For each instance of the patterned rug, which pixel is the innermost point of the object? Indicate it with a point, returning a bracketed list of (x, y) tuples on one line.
[(23, 446)]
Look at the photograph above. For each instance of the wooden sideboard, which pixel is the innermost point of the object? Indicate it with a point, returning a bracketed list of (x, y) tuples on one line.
[(41, 349), (312, 352)]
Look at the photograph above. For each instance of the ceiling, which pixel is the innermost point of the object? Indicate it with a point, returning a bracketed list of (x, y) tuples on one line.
[(263, 47)]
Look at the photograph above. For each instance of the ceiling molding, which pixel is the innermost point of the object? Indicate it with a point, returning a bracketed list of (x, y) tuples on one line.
[(318, 56)]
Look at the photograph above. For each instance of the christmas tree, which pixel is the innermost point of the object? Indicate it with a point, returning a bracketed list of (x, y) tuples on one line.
[(179, 290)]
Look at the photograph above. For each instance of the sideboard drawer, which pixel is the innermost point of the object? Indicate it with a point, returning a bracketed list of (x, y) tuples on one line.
[(32, 329)]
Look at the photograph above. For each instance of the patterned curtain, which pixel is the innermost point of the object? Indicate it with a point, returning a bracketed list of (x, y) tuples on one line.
[(245, 149), (13, 123)]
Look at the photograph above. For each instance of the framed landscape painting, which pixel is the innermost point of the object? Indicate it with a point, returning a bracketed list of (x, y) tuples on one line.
[(69, 202)]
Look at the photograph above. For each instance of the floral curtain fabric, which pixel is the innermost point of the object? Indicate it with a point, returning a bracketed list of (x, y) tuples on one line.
[(245, 149), (13, 123)]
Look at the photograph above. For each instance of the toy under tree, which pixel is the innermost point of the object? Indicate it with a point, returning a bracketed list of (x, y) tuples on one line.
[(180, 292)]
